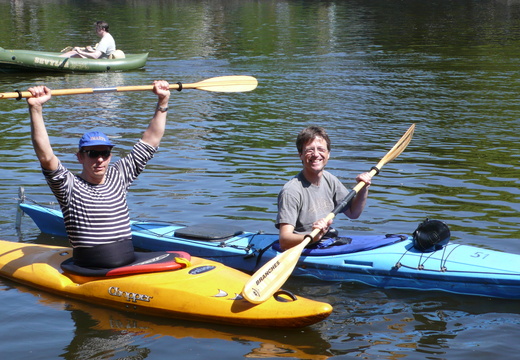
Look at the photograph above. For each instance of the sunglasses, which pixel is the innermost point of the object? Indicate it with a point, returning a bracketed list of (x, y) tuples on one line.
[(95, 154)]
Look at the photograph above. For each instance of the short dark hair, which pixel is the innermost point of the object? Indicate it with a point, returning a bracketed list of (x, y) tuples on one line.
[(102, 25), (309, 134)]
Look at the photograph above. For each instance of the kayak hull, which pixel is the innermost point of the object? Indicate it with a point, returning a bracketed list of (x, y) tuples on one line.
[(204, 291), (44, 61), (459, 269)]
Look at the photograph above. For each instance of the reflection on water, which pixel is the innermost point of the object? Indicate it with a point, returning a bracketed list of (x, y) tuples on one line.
[(105, 333), (364, 70), (373, 323)]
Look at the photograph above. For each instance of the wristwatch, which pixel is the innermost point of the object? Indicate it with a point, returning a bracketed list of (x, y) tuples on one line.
[(162, 109)]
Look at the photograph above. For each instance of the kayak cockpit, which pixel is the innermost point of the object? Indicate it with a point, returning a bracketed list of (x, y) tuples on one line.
[(145, 262), (346, 245)]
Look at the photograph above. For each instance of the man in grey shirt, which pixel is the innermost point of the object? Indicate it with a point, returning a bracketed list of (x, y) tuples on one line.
[(306, 199)]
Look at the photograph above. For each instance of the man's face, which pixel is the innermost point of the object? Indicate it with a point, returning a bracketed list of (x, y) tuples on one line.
[(95, 161), (315, 155)]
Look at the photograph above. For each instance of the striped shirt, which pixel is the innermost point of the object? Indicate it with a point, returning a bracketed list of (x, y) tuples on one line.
[(98, 214)]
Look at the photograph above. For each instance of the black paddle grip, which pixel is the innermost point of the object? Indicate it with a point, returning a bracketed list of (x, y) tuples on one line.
[(344, 203)]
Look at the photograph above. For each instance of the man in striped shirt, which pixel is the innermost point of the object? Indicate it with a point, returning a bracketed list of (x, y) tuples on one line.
[(94, 202)]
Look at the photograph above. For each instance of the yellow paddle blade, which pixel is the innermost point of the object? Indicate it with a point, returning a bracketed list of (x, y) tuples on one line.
[(398, 147), (270, 277), (236, 83)]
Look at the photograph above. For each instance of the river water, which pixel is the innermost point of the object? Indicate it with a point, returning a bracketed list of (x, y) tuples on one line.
[(366, 71)]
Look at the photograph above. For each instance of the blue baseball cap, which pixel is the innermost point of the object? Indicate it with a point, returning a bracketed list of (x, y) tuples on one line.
[(94, 138)]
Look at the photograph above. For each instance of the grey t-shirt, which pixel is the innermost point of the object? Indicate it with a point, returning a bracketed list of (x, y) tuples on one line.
[(301, 203)]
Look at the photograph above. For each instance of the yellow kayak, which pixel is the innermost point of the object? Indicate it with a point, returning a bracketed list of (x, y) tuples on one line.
[(204, 290)]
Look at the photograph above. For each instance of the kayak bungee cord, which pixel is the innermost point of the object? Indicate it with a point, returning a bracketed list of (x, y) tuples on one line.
[(444, 260), (171, 233), (421, 263)]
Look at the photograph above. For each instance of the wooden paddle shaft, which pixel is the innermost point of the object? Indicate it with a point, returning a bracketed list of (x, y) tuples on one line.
[(26, 94)]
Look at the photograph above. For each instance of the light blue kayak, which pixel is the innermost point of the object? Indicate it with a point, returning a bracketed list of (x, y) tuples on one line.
[(384, 261)]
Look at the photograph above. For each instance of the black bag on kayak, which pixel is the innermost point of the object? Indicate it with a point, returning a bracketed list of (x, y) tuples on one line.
[(431, 235)]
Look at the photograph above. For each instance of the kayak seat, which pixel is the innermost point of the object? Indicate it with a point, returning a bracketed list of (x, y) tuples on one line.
[(346, 245), (145, 262), (209, 232)]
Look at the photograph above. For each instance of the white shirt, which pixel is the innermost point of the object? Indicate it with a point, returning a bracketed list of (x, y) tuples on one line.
[(107, 45)]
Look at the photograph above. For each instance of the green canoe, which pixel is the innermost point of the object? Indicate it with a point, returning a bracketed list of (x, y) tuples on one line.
[(28, 60)]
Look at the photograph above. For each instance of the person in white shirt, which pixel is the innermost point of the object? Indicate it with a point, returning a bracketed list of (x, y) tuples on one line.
[(104, 48)]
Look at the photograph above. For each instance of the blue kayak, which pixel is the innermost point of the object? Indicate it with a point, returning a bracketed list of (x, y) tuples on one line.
[(384, 261)]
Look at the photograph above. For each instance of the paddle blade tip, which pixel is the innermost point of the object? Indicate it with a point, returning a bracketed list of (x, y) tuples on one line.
[(254, 296)]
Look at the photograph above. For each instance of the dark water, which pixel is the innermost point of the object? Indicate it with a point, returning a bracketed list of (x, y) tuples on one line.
[(365, 70)]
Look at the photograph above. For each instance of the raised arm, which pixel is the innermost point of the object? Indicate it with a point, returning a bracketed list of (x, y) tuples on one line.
[(358, 203), (155, 131), (39, 136)]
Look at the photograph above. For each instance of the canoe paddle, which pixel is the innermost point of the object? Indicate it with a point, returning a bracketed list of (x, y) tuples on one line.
[(270, 277), (234, 83)]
